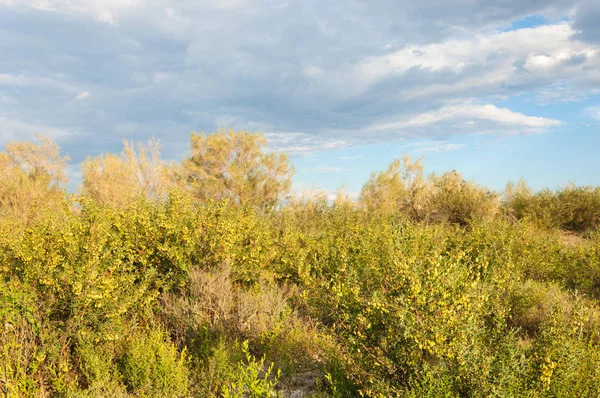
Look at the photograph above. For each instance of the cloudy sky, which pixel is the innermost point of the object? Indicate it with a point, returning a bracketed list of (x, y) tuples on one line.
[(497, 90)]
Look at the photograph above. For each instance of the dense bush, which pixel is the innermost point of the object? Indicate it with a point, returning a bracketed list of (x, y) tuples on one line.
[(458, 201), (436, 295), (572, 208), (30, 178), (404, 189)]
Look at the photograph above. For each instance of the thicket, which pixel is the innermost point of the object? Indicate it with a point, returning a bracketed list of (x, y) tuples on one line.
[(147, 284)]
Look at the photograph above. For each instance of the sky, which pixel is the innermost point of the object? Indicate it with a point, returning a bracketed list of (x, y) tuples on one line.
[(497, 90)]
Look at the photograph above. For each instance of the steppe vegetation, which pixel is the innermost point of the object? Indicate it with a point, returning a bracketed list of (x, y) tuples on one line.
[(207, 278)]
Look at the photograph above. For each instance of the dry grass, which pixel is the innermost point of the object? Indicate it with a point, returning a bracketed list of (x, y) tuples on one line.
[(261, 314), (534, 302)]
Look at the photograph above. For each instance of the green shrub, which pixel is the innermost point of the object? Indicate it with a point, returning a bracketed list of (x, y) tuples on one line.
[(458, 201), (252, 380), (572, 208), (176, 297), (232, 371), (99, 372), (152, 366)]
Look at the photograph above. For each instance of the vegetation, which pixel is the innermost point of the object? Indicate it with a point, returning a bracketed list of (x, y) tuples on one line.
[(117, 180), (230, 165), (165, 280)]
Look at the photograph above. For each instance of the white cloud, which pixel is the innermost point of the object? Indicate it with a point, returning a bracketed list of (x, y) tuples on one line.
[(482, 64), (106, 11), (313, 71), (301, 144), (351, 157), (228, 4), (314, 76), (82, 95), (456, 55), (161, 77), (490, 113), (106, 17)]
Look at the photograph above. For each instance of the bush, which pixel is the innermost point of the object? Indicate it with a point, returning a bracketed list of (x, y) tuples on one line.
[(404, 189), (433, 296), (458, 201), (152, 366), (232, 371), (572, 208)]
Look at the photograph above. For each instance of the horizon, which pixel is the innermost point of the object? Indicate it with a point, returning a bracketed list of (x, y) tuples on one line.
[(298, 190)]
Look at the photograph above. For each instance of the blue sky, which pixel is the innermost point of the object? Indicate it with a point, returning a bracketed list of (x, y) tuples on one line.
[(497, 90)]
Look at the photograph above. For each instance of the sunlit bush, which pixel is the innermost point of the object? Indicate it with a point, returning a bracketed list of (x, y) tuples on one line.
[(459, 201), (572, 208), (420, 290)]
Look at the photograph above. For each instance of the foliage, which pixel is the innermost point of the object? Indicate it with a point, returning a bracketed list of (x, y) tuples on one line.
[(572, 208), (152, 367), (232, 165), (117, 180), (249, 382), (516, 199), (458, 201), (402, 187), (31, 175), (423, 290)]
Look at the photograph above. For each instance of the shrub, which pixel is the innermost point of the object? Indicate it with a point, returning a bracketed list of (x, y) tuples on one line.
[(152, 366), (32, 175), (572, 208), (401, 188), (232, 165), (118, 180), (232, 371), (177, 297), (458, 201)]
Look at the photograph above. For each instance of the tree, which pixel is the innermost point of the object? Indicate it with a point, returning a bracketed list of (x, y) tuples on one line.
[(115, 180), (402, 187), (31, 175), (233, 165)]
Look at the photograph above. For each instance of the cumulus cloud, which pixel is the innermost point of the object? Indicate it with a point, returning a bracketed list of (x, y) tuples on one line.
[(462, 117), (524, 59), (457, 55), (586, 20), (312, 75)]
